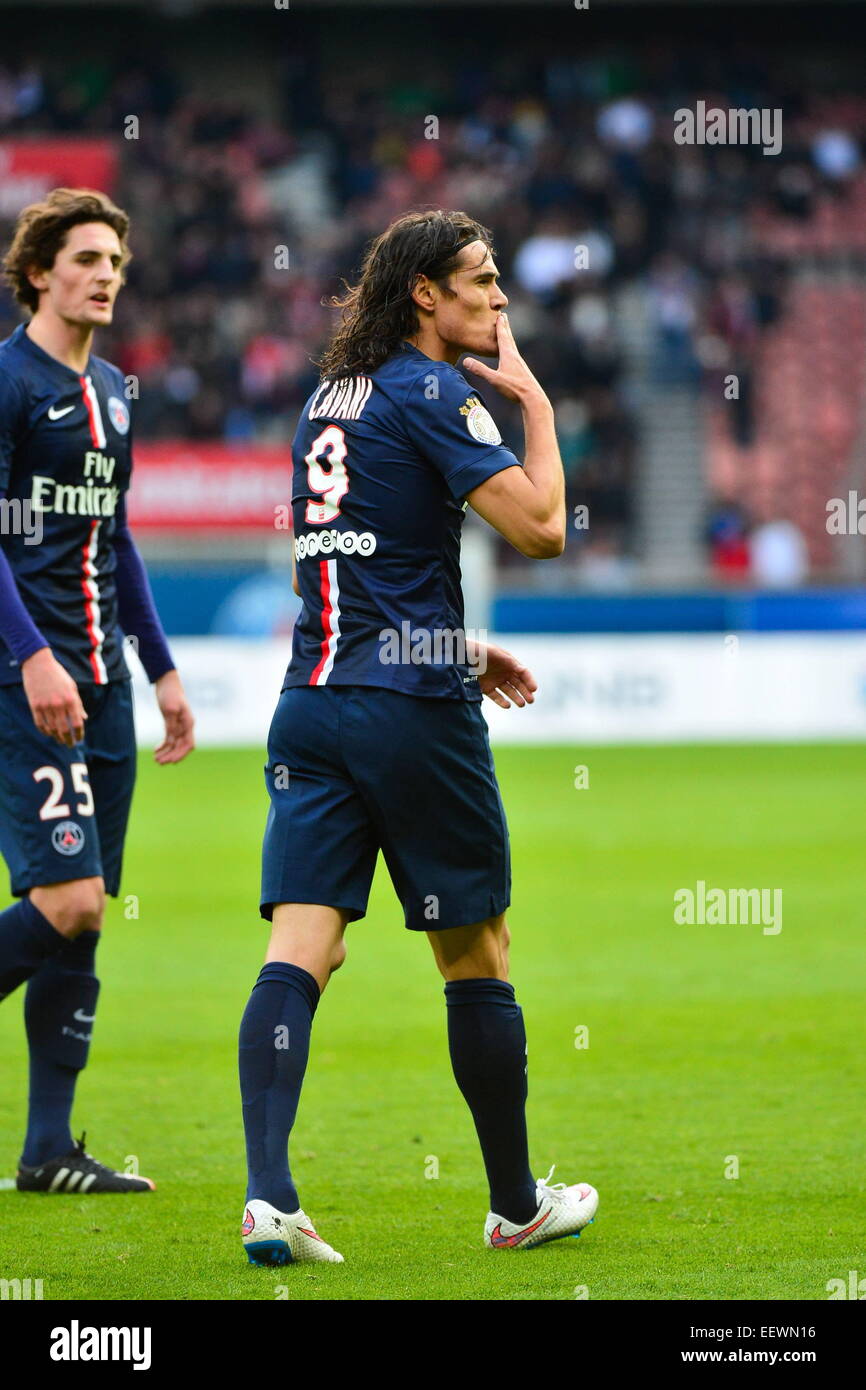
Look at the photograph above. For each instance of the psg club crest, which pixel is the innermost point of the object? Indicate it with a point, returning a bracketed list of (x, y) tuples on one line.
[(118, 414), (68, 837), (480, 422)]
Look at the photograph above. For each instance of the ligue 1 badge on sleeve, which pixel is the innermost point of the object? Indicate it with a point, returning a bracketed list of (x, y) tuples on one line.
[(480, 422), (118, 414)]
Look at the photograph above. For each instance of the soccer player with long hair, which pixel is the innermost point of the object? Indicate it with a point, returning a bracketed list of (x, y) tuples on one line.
[(377, 743), (71, 585)]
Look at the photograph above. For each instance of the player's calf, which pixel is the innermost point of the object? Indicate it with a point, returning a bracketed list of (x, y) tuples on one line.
[(59, 1011), (479, 951)]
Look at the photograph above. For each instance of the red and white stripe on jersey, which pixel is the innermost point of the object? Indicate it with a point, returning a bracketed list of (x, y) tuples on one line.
[(329, 589), (92, 612), (94, 414)]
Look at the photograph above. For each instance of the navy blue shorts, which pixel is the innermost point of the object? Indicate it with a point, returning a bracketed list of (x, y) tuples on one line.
[(63, 811), (355, 769)]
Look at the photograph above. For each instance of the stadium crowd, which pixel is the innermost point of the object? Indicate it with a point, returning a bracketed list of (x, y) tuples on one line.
[(242, 222)]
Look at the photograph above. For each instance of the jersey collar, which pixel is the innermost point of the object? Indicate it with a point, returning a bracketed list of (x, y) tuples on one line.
[(22, 339)]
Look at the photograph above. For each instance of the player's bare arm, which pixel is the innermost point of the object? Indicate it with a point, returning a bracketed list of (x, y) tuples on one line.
[(526, 505), (53, 698)]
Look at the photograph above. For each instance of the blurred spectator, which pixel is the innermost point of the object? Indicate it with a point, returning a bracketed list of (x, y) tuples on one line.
[(835, 153), (674, 297), (778, 554), (734, 319), (726, 534), (250, 205)]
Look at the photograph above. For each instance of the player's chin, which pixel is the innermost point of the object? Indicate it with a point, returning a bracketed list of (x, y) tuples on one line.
[(483, 347)]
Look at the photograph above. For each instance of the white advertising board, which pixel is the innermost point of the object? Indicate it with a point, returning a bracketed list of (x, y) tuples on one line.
[(591, 689)]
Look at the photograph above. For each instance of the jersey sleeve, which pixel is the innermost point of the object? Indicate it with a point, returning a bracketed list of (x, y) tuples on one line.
[(12, 423), (136, 608), (17, 628), (449, 424)]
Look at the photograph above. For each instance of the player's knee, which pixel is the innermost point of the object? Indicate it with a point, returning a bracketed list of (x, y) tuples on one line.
[(338, 955), (72, 908), (82, 908)]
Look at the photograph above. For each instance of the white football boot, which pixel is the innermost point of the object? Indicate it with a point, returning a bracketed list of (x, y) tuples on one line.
[(274, 1237), (562, 1211)]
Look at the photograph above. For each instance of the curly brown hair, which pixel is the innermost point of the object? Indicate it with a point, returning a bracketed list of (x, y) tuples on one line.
[(378, 312), (42, 228)]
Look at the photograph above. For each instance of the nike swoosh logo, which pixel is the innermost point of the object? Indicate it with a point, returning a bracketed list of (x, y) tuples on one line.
[(497, 1238), (55, 414), (83, 1017)]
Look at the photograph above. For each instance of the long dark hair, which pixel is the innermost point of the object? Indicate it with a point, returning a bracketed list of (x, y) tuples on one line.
[(378, 312)]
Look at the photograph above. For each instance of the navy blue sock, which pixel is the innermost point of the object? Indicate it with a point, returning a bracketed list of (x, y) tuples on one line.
[(59, 1008), (487, 1042), (26, 940), (273, 1049)]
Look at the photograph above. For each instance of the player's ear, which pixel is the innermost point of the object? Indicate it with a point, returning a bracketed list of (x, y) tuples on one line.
[(38, 278), (423, 292)]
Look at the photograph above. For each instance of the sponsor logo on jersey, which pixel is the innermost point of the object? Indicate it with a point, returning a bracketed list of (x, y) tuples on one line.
[(55, 414), (73, 499), (326, 542), (67, 837), (480, 422), (118, 414), (87, 498)]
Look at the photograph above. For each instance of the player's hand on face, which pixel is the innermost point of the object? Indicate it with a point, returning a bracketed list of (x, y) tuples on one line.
[(505, 679), (512, 378), (53, 698), (178, 719)]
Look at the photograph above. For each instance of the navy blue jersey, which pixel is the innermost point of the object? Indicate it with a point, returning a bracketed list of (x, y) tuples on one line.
[(65, 450), (381, 467)]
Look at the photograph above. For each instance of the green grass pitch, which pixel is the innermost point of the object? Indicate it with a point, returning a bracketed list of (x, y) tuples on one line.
[(706, 1044)]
